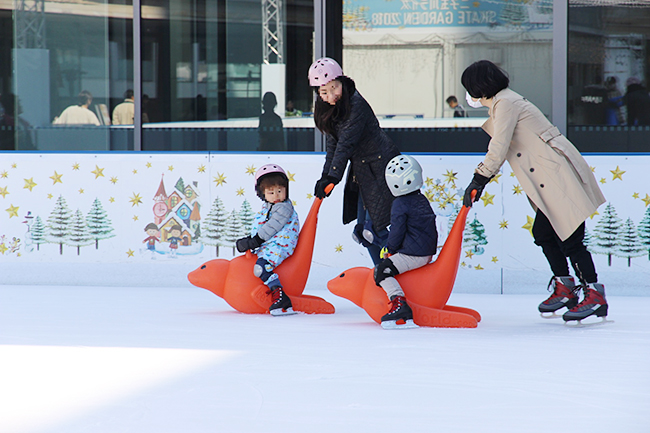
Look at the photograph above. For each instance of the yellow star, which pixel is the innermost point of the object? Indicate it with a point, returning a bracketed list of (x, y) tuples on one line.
[(593, 169), (135, 218), (29, 184), (503, 224), (251, 170), (114, 180), (240, 191), (512, 174), (469, 254), (495, 259), (450, 175), (495, 179), (170, 168), (593, 214), (338, 248), (517, 189), (14, 165), (487, 199), (463, 264), (429, 195), (646, 200), (220, 179), (618, 173), (290, 176), (201, 168), (293, 202), (130, 253), (56, 178), (3, 248), (148, 165), (75, 166), (136, 200), (309, 196), (4, 192), (529, 224), (111, 199), (428, 181), (4, 174), (81, 190), (49, 196), (98, 172), (635, 195), (13, 211), (603, 180), (135, 171), (478, 267)]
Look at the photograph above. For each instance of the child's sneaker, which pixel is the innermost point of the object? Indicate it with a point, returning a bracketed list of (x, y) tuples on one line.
[(594, 303), (281, 303), (400, 315), (564, 295)]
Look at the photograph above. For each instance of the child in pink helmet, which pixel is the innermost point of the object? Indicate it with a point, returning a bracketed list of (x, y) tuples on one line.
[(274, 234)]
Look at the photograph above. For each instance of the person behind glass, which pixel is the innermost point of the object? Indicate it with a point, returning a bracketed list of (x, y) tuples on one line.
[(78, 114), (459, 110), (557, 180), (274, 234), (637, 101), (614, 103), (353, 134), (123, 114), (270, 129), (412, 240)]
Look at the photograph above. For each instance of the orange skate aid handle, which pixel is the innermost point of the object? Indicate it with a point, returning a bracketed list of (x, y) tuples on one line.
[(233, 280), (427, 289)]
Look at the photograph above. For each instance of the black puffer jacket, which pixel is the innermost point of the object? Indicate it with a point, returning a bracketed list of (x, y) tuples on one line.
[(360, 140)]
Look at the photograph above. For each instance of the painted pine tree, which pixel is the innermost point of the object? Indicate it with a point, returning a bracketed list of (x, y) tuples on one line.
[(180, 185), (232, 230), (213, 225), (629, 244), (79, 234), (474, 236), (644, 231), (58, 223), (99, 226), (604, 240), (246, 216), (452, 217), (38, 233)]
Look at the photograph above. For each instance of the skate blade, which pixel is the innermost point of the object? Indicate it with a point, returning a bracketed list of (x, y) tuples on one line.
[(399, 324), (550, 315), (582, 324), (280, 312)]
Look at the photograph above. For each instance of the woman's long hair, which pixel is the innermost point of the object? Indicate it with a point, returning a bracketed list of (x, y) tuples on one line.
[(326, 116)]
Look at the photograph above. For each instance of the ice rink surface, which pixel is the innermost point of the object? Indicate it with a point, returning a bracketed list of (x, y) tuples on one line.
[(180, 360)]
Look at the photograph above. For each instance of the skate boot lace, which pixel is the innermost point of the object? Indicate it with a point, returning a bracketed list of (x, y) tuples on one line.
[(276, 294), (591, 297), (395, 303)]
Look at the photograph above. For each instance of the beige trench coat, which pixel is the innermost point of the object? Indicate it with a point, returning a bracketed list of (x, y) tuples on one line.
[(556, 178)]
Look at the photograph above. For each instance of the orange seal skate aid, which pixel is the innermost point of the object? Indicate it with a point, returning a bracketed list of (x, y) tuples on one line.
[(427, 289), (233, 280)]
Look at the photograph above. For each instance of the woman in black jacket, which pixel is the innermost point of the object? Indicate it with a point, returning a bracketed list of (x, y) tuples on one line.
[(353, 134)]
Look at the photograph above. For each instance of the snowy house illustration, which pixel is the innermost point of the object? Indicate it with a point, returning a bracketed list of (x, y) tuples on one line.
[(181, 207)]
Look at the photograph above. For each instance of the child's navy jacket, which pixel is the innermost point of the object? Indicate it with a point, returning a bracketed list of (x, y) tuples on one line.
[(412, 226)]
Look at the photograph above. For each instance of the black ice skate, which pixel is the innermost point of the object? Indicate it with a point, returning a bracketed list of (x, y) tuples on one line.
[(281, 303), (564, 295), (594, 303), (400, 315)]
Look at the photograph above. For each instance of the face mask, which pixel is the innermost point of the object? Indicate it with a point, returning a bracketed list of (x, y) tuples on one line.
[(472, 103)]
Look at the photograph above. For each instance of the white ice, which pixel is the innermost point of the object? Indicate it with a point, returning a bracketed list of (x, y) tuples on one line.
[(180, 360)]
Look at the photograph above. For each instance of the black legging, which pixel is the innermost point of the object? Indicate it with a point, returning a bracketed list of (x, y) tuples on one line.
[(556, 251)]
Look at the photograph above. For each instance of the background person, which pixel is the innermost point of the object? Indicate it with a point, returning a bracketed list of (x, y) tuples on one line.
[(124, 113), (79, 114), (459, 110)]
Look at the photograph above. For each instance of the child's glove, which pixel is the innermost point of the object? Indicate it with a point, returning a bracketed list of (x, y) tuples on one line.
[(249, 243), (384, 254)]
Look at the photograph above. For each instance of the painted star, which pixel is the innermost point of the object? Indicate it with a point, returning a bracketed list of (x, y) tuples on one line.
[(75, 166), (487, 199), (3, 248), (309, 196), (603, 180), (503, 224), (512, 174), (290, 176), (50, 196), (618, 173), (478, 267), (98, 172), (13, 211), (220, 179), (240, 191), (469, 253), (56, 177), (135, 218), (495, 259), (463, 264), (4, 192), (130, 253), (517, 189), (451, 176), (338, 248), (14, 165), (111, 199), (170, 168), (429, 195), (29, 184), (428, 181), (81, 191), (593, 215), (136, 200), (201, 169), (294, 203), (114, 180), (148, 165), (495, 179), (135, 171), (4, 174), (251, 170), (646, 200), (529, 224), (635, 195), (593, 169)]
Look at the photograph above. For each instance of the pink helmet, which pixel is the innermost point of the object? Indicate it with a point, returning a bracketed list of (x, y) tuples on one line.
[(323, 70), (268, 169)]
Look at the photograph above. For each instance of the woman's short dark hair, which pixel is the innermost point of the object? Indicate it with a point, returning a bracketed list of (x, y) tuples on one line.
[(84, 98), (484, 79), (326, 116)]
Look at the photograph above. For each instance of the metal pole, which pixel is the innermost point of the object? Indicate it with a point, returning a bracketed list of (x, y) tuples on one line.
[(560, 64), (320, 29), (137, 76)]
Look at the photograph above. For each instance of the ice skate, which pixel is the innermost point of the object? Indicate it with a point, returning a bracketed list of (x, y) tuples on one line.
[(593, 304), (564, 295), (400, 315), (281, 303)]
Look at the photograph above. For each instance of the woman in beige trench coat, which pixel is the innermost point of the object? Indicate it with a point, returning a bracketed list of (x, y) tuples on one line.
[(557, 180)]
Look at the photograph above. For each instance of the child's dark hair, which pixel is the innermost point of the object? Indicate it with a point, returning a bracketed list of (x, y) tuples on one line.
[(151, 226), (326, 116), (484, 79), (271, 180)]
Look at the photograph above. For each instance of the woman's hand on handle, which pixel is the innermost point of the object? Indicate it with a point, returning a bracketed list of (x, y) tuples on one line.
[(478, 183), (324, 186)]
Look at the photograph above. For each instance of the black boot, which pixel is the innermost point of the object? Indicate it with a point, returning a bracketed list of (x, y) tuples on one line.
[(281, 303), (400, 315)]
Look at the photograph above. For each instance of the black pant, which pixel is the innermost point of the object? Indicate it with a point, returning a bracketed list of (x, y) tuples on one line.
[(556, 251)]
